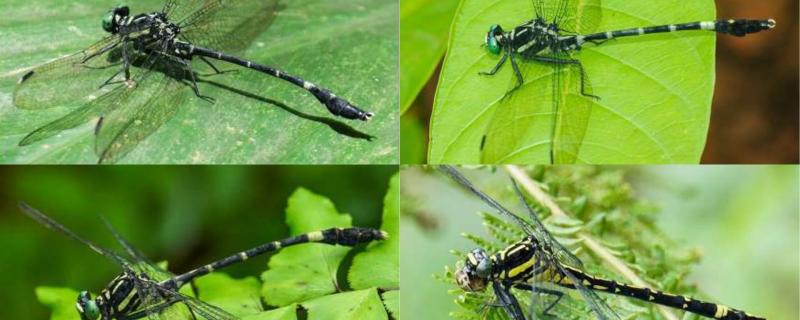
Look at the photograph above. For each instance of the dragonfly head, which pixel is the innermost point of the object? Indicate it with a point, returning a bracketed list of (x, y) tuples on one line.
[(494, 39), (473, 274), (87, 307), (112, 19)]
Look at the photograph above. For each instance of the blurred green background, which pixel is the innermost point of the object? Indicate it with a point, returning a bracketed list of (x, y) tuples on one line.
[(743, 220), (186, 215)]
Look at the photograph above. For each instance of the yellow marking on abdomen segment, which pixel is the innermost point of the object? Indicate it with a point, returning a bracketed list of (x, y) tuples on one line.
[(243, 256), (721, 311), (315, 236)]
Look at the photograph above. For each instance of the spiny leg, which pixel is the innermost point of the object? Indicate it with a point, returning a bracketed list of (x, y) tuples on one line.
[(569, 62)]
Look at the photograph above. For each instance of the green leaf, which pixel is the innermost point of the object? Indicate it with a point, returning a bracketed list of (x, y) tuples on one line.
[(655, 92), (412, 146), (60, 300), (379, 266), (391, 299), (361, 304), (423, 32), (285, 313), (325, 42), (237, 296), (304, 272)]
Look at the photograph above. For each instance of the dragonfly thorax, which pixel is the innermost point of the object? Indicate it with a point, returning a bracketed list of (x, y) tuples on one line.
[(475, 272)]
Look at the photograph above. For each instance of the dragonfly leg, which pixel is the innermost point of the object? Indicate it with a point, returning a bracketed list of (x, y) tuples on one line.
[(556, 293), (496, 67), (125, 66), (572, 62), (507, 300), (210, 64)]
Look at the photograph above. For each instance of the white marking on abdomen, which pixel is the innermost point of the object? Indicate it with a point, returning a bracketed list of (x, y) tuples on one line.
[(308, 85), (707, 25)]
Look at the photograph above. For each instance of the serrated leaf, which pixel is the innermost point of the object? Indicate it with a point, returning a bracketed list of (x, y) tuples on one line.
[(650, 110), (391, 300), (303, 272), (379, 266), (60, 300), (324, 42), (361, 304), (424, 26)]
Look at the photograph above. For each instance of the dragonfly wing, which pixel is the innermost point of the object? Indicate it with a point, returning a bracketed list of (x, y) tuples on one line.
[(52, 224), (69, 79), (595, 303), (571, 15), (229, 26), (153, 103)]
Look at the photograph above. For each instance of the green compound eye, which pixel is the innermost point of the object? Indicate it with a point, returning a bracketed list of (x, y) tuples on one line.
[(491, 40), (108, 21), (87, 307)]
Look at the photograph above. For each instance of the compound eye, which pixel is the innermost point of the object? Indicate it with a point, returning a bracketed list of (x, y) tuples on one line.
[(87, 308), (491, 39), (108, 21)]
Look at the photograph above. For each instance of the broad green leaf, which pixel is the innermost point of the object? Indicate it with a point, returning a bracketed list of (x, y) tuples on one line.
[(256, 118), (655, 91), (424, 26), (285, 313), (361, 304), (240, 297), (391, 300), (303, 272), (379, 266), (60, 300)]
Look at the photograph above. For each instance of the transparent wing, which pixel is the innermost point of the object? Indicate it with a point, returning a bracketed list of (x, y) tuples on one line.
[(545, 237), (546, 118), (595, 303), (141, 264), (229, 26), (106, 103), (69, 79), (198, 308), (53, 225), (155, 101), (572, 16), (458, 177)]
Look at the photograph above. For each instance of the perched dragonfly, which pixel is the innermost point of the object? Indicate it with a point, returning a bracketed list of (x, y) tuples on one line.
[(147, 291), (539, 264), (133, 79)]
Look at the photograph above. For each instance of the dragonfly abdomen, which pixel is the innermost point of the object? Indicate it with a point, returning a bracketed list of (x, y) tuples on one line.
[(707, 309)]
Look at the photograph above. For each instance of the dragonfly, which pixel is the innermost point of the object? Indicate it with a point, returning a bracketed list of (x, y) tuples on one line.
[(553, 38), (131, 81), (539, 264), (146, 291)]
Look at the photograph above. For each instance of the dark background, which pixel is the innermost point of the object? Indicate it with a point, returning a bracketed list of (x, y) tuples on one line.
[(187, 216), (754, 116)]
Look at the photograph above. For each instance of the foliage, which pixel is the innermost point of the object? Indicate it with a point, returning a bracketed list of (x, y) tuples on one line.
[(301, 277), (423, 32), (655, 91), (601, 205)]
